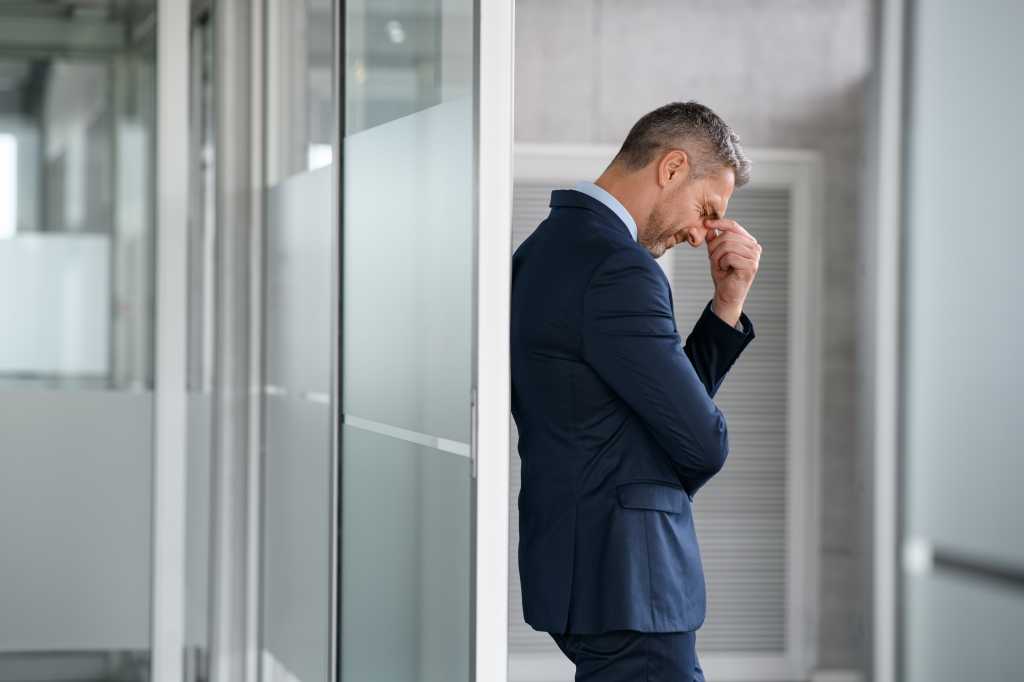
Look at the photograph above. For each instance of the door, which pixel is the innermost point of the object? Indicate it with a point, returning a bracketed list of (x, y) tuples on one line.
[(962, 601), (410, 346), (386, 387)]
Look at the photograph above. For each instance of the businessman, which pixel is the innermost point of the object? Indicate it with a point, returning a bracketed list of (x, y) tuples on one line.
[(617, 425)]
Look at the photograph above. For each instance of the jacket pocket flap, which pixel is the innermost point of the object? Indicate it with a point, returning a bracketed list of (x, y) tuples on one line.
[(656, 496)]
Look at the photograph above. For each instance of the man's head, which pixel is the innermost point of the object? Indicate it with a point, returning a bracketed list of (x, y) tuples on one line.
[(679, 165)]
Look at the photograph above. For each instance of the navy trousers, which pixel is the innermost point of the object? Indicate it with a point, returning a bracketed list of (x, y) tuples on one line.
[(631, 656)]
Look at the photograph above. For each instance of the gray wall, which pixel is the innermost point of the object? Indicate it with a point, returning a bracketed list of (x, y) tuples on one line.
[(783, 73)]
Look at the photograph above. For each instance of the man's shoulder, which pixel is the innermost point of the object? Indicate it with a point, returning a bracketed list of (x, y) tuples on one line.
[(629, 265), (574, 238)]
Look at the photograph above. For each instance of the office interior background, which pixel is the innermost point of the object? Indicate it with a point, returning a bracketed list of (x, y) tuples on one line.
[(254, 263)]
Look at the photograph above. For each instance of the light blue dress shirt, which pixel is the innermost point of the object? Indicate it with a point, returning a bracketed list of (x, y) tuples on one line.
[(606, 198)]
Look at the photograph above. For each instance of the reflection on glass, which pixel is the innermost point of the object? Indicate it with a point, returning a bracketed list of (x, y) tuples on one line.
[(77, 115), (300, 104), (404, 56), (76, 170)]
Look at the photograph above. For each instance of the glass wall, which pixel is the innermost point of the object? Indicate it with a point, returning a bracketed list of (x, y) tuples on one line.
[(963, 586), (77, 177), (78, 299), (408, 226)]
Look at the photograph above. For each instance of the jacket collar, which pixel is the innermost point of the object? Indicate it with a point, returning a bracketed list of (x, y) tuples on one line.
[(571, 198)]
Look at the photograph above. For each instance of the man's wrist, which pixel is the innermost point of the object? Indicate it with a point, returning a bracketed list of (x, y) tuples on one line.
[(729, 313)]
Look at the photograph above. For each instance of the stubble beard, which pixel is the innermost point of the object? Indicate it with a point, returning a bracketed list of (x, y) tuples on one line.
[(656, 226)]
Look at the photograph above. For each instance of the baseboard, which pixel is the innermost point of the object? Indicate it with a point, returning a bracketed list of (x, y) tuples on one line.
[(553, 667)]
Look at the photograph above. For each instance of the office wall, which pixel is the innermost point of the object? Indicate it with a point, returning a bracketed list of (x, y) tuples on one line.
[(788, 73)]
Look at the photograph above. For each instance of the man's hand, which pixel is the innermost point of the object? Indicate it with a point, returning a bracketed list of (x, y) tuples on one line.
[(734, 256)]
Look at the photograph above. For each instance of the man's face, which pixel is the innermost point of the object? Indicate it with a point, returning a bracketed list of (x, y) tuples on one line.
[(679, 214)]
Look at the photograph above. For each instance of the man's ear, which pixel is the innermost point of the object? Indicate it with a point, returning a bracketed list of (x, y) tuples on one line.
[(674, 166)]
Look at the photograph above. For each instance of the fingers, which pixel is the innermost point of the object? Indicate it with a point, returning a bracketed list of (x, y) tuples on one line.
[(732, 243), (726, 226), (733, 239), (737, 262)]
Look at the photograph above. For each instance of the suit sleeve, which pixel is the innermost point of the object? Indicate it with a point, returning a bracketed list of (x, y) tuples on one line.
[(630, 339), (713, 346)]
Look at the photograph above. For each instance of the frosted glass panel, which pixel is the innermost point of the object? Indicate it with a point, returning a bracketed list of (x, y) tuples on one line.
[(298, 326), (75, 520), (296, 555), (408, 271), (405, 569), (297, 466), (961, 629)]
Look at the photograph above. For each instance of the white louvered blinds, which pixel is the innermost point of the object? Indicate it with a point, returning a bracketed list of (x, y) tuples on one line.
[(741, 515)]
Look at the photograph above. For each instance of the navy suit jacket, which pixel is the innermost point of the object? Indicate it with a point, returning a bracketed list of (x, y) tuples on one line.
[(617, 427)]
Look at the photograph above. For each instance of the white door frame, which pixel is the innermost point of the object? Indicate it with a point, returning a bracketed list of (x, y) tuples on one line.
[(490, 437), (170, 443)]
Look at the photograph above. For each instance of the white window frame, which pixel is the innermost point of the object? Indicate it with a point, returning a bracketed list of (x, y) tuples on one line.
[(800, 171)]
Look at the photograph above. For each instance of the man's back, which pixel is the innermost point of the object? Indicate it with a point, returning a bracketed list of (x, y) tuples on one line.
[(617, 427)]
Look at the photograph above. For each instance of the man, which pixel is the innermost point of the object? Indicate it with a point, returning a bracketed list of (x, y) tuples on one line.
[(617, 427)]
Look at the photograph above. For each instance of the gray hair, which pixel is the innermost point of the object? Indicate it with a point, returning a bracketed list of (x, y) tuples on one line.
[(710, 144)]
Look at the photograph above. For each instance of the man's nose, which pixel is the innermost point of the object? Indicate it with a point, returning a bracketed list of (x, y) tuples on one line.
[(697, 236)]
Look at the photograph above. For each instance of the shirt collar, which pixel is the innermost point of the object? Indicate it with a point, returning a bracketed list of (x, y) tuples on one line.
[(592, 190)]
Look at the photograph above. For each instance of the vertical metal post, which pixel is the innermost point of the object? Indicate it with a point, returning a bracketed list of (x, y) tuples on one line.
[(170, 419), (334, 525), (882, 407), (254, 488), (230, 574)]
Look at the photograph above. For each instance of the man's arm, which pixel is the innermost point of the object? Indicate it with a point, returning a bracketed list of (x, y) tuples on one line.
[(630, 339), (713, 346)]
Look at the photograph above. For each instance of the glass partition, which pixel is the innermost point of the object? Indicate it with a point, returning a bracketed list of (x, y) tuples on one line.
[(408, 229), (77, 177)]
